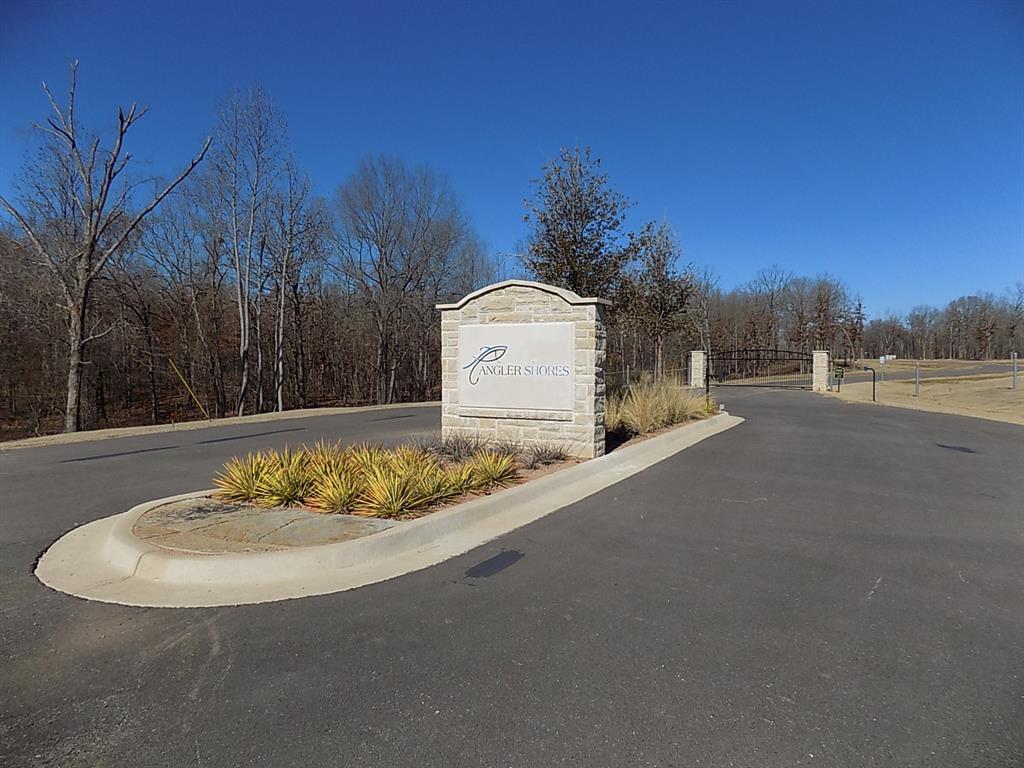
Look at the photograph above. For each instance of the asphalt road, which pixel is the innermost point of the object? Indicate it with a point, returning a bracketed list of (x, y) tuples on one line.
[(827, 584)]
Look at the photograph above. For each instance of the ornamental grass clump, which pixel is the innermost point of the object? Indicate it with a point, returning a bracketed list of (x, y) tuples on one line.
[(651, 405)]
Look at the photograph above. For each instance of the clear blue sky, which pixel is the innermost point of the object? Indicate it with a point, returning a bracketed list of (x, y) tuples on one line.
[(880, 142)]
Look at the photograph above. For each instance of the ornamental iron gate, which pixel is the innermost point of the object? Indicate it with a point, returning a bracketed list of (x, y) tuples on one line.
[(760, 368)]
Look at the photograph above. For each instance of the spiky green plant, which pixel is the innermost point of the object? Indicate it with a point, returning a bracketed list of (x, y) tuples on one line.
[(542, 454), (390, 493), (325, 457), (335, 490), (457, 448), (410, 458), (240, 478), (492, 469), (460, 478), (288, 480), (360, 458), (506, 447)]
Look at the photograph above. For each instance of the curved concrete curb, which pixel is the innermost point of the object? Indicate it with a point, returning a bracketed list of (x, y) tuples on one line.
[(104, 560)]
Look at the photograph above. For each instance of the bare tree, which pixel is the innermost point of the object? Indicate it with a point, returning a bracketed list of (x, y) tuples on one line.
[(79, 216), (250, 138), (394, 225)]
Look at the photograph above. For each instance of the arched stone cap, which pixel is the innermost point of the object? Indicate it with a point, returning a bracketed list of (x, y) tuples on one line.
[(567, 296)]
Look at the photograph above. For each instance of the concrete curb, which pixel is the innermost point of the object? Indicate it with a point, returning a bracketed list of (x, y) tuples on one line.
[(227, 421), (104, 561)]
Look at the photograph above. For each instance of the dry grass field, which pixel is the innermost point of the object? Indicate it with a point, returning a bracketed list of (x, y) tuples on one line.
[(985, 396), (904, 366)]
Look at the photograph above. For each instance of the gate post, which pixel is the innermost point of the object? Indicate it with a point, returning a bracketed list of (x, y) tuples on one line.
[(698, 367), (819, 377)]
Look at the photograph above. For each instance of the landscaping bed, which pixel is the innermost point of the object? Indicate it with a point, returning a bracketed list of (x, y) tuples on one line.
[(262, 494), (330, 493)]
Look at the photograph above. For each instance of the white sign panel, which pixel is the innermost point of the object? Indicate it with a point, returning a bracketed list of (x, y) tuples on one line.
[(520, 366)]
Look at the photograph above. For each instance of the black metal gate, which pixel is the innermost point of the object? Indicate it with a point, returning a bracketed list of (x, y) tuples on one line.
[(760, 368)]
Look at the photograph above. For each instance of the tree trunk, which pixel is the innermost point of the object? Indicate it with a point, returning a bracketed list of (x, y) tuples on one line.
[(76, 337), (154, 415)]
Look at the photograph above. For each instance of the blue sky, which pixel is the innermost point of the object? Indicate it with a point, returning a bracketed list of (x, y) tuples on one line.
[(882, 143)]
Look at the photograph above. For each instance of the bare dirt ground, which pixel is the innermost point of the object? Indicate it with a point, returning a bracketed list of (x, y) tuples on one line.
[(986, 396)]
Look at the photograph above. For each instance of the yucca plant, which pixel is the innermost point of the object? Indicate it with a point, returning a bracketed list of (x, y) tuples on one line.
[(437, 484), (506, 447), (360, 458), (335, 490), (287, 481), (240, 478), (409, 458), (493, 469), (325, 457), (457, 448), (461, 478), (542, 454), (389, 493)]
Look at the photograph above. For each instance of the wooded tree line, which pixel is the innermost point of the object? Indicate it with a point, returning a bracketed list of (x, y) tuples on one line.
[(231, 290), (234, 289)]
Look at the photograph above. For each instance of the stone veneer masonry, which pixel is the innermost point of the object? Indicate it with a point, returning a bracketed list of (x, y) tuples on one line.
[(580, 433)]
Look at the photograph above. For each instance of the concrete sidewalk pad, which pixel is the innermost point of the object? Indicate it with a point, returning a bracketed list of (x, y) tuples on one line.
[(212, 527), (105, 561)]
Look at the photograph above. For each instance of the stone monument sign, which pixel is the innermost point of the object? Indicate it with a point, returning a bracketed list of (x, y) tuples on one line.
[(525, 361)]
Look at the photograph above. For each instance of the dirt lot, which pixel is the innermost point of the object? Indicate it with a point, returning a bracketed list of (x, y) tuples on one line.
[(986, 396)]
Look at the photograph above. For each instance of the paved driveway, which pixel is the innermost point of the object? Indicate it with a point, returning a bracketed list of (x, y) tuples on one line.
[(827, 584)]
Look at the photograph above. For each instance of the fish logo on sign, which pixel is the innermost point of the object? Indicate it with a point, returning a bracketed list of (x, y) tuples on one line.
[(486, 355)]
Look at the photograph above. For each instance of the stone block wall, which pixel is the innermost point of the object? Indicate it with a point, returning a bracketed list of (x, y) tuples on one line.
[(580, 432), (819, 371), (698, 367)]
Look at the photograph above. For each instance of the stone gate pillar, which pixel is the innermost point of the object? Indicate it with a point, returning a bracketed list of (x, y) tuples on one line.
[(698, 367), (525, 361), (819, 377)]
